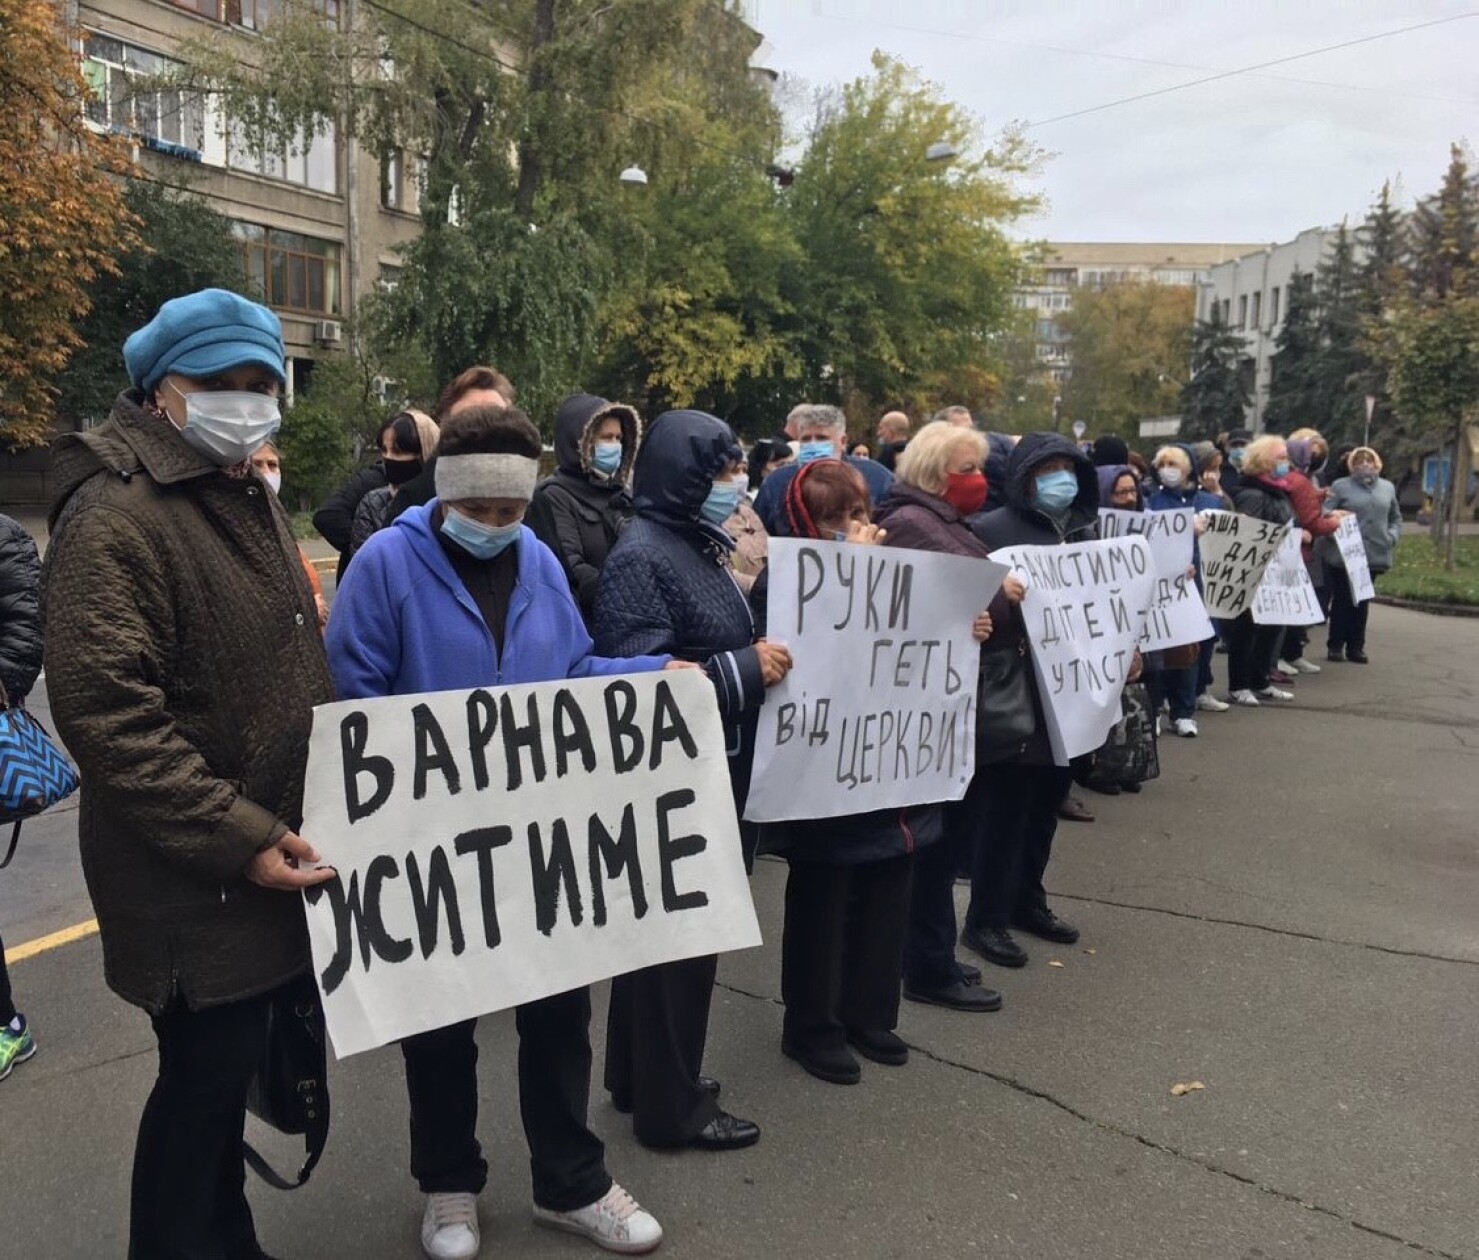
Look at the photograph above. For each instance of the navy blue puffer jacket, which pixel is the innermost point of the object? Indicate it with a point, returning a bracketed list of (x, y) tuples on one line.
[(666, 583)]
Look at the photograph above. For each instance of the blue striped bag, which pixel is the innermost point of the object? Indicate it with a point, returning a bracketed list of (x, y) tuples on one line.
[(34, 773)]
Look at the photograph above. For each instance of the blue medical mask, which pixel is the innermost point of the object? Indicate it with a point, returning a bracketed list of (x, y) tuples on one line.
[(606, 457), (1281, 469), (481, 542), (722, 501), (1235, 456), (1056, 490), (816, 450)]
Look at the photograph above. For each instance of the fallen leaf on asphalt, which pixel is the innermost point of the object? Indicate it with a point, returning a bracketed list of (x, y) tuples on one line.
[(1053, 962), (1186, 1087), (1091, 951)]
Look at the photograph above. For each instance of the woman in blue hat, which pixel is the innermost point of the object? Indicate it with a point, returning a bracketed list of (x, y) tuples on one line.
[(172, 588)]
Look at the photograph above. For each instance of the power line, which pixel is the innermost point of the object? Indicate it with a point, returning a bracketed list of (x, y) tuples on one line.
[(1262, 65), (1140, 61)]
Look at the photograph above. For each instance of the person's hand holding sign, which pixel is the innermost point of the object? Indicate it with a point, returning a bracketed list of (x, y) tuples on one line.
[(682, 665), (775, 661), (277, 866), (1014, 588), (868, 535), (981, 627)]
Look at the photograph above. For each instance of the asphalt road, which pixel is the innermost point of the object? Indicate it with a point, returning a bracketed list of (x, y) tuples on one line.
[(1290, 916)]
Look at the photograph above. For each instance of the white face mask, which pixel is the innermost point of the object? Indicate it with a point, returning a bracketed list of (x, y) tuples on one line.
[(1170, 476), (274, 481), (742, 483), (227, 425)]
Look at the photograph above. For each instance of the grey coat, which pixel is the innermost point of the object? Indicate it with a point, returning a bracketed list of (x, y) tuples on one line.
[(183, 661), (1380, 515)]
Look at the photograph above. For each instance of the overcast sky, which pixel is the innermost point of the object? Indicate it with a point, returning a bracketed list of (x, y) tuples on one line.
[(1254, 157)]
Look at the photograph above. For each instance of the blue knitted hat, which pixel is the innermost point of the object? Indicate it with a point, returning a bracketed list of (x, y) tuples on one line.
[(201, 335)]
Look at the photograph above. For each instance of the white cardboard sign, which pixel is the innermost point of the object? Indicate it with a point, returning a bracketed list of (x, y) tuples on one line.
[(1084, 610), (1177, 614), (503, 845), (1236, 549), (1353, 554), (879, 709), (1286, 596)]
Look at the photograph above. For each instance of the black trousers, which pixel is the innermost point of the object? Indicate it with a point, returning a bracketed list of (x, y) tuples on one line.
[(7, 1001), (567, 1160), (843, 949), (1018, 819), (1251, 651), (1347, 618), (929, 945), (655, 1033), (189, 1182)]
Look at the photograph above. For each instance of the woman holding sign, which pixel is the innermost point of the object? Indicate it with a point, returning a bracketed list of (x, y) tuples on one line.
[(1263, 493), (847, 894), (457, 594), (940, 481), (668, 587), (1373, 499)]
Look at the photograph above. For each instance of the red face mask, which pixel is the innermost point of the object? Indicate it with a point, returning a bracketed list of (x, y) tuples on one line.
[(965, 492)]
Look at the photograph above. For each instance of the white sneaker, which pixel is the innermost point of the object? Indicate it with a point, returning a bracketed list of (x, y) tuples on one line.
[(1275, 693), (1245, 698), (1286, 667), (1186, 728), (1208, 703), (1305, 666), (615, 1223), (449, 1227)]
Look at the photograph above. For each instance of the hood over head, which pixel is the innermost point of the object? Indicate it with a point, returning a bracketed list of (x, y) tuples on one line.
[(576, 420), (1300, 453), (1036, 449), (683, 453), (1110, 451), (999, 448), (1108, 474)]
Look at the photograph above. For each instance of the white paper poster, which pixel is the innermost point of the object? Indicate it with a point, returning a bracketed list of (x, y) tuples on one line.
[(1286, 596), (1353, 553), (879, 709), (1177, 614), (1084, 611), (502, 845), (1236, 549)]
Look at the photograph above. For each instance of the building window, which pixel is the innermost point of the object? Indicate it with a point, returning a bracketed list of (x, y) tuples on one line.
[(1257, 309), (1273, 307), (309, 161), (290, 270), (390, 278), (402, 177), (1063, 277), (1243, 311), (1226, 310), (1174, 275), (170, 118), (252, 14)]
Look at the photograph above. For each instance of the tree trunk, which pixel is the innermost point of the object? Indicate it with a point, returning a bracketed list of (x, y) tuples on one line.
[(530, 164), (1458, 491)]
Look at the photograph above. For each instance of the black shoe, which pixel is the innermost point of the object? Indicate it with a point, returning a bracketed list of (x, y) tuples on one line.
[(880, 1045), (1131, 787), (958, 997), (1335, 654), (833, 1064), (1357, 657), (1102, 786), (1074, 810), (623, 1103), (995, 945), (726, 1133), (1049, 926), (968, 974)]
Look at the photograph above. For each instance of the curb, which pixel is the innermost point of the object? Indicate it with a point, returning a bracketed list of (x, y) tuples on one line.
[(1424, 606)]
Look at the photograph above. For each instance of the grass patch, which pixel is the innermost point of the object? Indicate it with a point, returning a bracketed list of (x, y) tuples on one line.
[(1418, 573), (303, 529)]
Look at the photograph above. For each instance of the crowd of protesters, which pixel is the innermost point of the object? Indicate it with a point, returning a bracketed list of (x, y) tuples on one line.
[(173, 587)]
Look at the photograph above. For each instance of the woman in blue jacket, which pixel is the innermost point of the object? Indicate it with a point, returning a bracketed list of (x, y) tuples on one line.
[(457, 594), (667, 586)]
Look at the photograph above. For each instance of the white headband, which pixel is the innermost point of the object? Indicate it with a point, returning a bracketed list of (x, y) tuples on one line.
[(484, 476)]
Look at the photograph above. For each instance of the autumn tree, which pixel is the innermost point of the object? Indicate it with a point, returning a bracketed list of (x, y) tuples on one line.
[(1130, 342), (63, 214)]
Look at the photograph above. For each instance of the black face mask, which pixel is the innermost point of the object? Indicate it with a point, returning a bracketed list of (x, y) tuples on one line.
[(400, 471)]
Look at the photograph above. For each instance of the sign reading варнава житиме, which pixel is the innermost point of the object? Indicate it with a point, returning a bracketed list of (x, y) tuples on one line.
[(502, 845)]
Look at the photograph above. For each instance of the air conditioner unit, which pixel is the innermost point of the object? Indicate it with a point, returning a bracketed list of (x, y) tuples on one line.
[(330, 332)]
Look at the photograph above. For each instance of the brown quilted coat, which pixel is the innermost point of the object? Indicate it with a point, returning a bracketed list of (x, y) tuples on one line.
[(183, 662)]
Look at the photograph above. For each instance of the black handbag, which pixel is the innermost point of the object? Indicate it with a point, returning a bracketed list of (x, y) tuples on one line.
[(1130, 754), (1006, 717), (290, 1091)]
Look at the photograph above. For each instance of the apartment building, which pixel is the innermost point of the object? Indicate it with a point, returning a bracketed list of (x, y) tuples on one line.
[(318, 220), (1251, 295), (1059, 269)]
